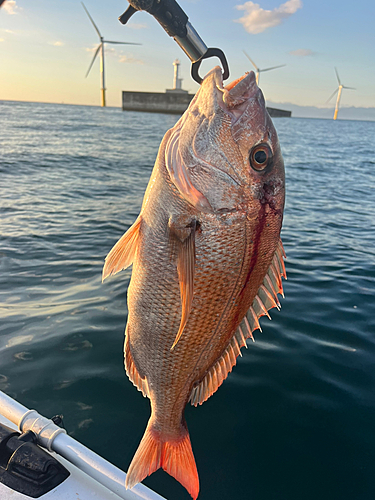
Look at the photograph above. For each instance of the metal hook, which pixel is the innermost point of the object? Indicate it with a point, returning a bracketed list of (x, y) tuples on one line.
[(176, 23), (211, 52)]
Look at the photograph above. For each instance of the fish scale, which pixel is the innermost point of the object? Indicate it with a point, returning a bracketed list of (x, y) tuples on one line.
[(207, 263)]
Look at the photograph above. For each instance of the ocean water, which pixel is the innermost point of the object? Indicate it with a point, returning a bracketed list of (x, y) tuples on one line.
[(295, 419)]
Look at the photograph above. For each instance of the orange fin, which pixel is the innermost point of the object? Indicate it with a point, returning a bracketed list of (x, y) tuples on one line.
[(122, 254), (253, 320), (174, 456), (280, 256), (186, 270), (265, 299), (132, 372), (219, 370)]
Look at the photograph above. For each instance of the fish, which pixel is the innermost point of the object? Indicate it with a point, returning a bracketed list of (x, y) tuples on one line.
[(207, 263)]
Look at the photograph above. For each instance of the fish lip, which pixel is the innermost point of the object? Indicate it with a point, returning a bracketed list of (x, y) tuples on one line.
[(218, 77), (220, 81), (226, 98), (232, 104)]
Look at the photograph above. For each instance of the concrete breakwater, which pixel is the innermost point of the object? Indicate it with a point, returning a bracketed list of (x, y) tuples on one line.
[(156, 102), (275, 112), (172, 101)]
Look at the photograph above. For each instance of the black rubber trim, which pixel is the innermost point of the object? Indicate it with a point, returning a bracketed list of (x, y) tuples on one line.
[(211, 52)]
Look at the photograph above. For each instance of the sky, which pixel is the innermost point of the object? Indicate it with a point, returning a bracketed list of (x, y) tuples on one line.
[(46, 47)]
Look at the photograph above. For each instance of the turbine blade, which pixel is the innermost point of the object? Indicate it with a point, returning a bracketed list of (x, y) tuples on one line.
[(338, 78), (335, 92), (351, 88), (252, 62), (93, 59), (273, 67), (122, 43), (92, 20)]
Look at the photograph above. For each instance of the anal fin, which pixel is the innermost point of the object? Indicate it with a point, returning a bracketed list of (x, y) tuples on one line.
[(132, 372), (122, 254)]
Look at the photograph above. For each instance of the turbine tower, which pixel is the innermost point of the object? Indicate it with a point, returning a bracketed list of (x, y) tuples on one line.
[(258, 70), (100, 49), (339, 90)]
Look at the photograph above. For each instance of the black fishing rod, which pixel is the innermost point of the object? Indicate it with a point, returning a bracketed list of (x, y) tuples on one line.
[(176, 23)]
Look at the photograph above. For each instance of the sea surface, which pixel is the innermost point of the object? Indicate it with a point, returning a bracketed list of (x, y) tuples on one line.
[(295, 420)]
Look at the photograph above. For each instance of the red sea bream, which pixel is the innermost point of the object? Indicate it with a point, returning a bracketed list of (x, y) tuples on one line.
[(207, 263)]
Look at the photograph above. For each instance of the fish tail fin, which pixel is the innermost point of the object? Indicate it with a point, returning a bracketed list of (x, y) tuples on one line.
[(179, 462), (175, 456)]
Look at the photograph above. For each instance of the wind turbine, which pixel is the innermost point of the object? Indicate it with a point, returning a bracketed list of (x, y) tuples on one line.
[(339, 90), (100, 49), (258, 70)]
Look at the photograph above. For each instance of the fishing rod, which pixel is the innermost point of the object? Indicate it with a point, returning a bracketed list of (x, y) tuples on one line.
[(176, 23)]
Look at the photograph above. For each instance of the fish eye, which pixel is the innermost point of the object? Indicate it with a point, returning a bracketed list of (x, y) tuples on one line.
[(260, 157)]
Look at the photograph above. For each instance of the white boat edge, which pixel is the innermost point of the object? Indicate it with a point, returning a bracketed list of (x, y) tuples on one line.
[(90, 474)]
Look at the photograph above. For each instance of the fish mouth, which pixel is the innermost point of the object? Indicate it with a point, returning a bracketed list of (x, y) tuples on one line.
[(234, 97)]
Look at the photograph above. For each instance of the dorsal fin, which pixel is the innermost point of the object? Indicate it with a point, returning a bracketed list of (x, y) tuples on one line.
[(219, 371), (132, 372), (122, 254), (265, 299)]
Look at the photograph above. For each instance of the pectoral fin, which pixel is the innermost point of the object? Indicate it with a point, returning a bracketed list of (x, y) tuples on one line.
[(185, 267), (122, 254)]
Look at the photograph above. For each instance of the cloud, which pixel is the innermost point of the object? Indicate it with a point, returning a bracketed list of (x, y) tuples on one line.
[(130, 59), (136, 26), (92, 49), (256, 20), (107, 49), (122, 58), (57, 44), (10, 7), (302, 52)]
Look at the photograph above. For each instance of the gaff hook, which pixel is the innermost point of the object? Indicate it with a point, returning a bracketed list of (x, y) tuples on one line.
[(176, 23), (211, 52)]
